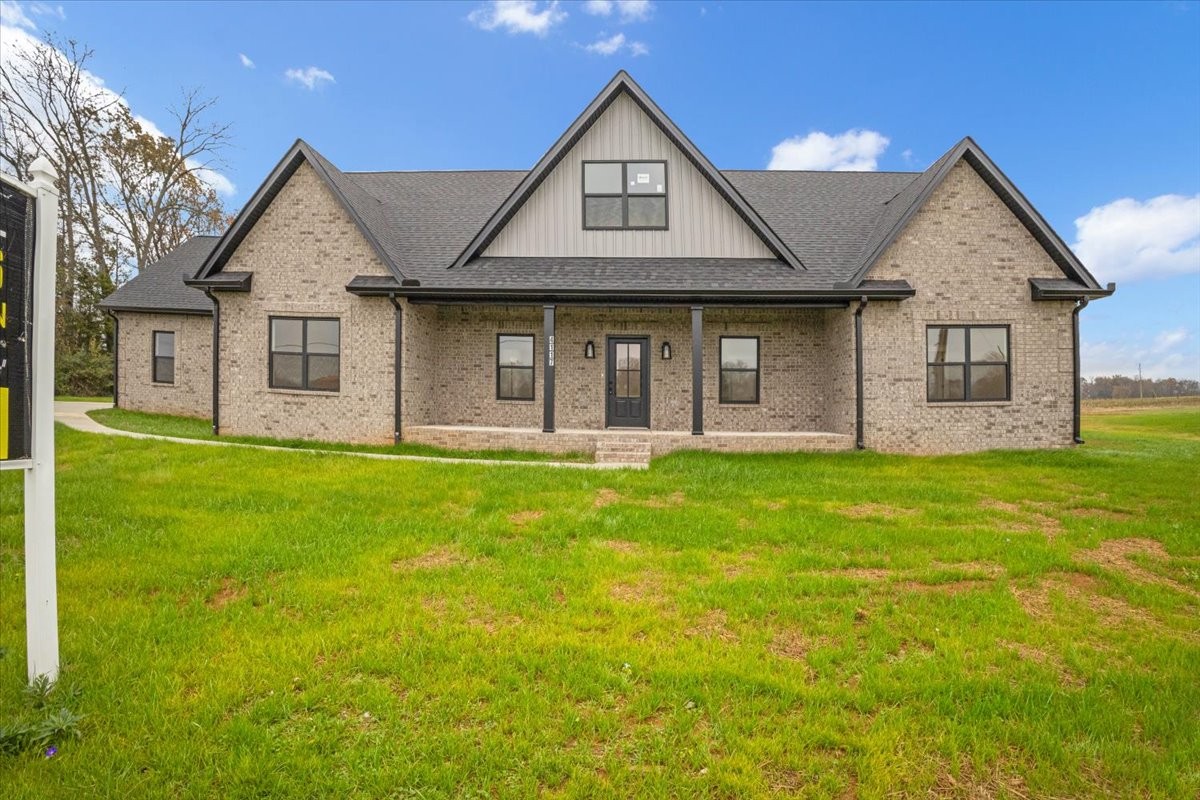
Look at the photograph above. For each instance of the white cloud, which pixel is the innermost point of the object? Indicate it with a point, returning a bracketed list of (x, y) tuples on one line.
[(1128, 239), (12, 15), (627, 10), (309, 77), (47, 10), (518, 16), (1173, 353), (247, 62), (606, 47), (854, 150)]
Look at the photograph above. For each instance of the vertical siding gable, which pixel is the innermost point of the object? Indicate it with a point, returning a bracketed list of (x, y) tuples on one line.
[(702, 223)]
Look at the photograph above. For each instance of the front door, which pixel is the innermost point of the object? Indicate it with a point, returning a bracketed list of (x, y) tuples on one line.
[(628, 382)]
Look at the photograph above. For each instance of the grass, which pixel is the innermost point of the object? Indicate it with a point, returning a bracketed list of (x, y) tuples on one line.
[(196, 428), (240, 623), (72, 398)]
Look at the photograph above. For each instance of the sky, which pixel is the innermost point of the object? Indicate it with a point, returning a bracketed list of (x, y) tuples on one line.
[(1093, 110)]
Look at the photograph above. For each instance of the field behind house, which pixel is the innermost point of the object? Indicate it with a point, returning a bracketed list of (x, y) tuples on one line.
[(240, 623)]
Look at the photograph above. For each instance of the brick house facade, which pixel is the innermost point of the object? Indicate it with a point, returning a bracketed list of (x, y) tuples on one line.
[(917, 312)]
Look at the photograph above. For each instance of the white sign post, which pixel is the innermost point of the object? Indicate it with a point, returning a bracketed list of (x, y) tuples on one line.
[(41, 592)]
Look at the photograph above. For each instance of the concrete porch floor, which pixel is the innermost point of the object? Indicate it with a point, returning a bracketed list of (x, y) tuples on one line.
[(624, 441)]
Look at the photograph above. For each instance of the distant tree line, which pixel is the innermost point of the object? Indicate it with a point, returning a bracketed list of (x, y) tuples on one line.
[(1119, 387), (128, 194)]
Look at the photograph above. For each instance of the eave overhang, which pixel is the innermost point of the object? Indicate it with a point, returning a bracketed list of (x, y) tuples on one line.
[(156, 310), (1058, 289), (223, 282)]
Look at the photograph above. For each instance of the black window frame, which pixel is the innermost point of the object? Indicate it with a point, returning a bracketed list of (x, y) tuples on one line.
[(967, 363), (721, 370), (304, 354), (532, 366), (154, 356), (624, 195)]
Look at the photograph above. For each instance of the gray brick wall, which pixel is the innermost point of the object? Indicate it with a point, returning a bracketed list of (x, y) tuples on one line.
[(970, 260), (191, 393)]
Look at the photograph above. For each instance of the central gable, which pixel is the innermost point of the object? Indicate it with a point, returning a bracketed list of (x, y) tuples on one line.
[(700, 222)]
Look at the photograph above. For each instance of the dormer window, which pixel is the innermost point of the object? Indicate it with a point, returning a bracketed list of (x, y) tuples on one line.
[(625, 195)]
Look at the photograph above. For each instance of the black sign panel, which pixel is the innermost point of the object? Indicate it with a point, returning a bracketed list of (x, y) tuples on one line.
[(16, 321)]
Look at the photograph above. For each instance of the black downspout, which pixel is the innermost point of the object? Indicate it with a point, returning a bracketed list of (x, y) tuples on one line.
[(216, 364), (1079, 306), (398, 363), (859, 441), (116, 349)]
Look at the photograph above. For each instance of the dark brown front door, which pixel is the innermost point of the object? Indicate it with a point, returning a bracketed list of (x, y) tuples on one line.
[(628, 382)]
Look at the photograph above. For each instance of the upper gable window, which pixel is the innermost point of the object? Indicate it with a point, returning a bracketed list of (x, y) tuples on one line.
[(625, 195)]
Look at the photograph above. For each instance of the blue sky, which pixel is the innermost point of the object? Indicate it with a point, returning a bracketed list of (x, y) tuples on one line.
[(1092, 109)]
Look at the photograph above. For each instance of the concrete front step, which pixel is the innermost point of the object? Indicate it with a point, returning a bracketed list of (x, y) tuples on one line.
[(614, 450)]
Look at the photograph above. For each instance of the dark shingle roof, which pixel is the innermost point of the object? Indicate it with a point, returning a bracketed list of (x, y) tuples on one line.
[(159, 286)]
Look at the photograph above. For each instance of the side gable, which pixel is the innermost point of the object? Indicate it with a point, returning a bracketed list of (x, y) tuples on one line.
[(362, 209), (905, 205), (622, 104)]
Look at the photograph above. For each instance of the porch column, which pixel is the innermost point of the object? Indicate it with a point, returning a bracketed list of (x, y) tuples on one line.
[(397, 368), (548, 372), (697, 371)]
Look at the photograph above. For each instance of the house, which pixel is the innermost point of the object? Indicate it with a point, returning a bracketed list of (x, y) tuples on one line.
[(622, 293)]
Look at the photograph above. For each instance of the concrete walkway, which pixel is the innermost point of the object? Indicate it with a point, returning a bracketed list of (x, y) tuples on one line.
[(74, 415)]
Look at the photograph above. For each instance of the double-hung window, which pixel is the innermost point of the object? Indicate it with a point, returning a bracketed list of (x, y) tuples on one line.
[(739, 369), (967, 363), (163, 357), (514, 367), (305, 354), (625, 195)]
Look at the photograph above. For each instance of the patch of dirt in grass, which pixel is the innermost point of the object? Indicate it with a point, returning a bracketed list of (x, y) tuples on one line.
[(861, 573), (1116, 554), (491, 620), (1038, 656), (948, 587), (1100, 513), (606, 497), (713, 624), (673, 500), (989, 568), (1082, 589), (437, 558), (229, 592), (523, 518), (622, 546), (783, 780), (647, 587), (875, 510), (793, 645), (1029, 520), (970, 784)]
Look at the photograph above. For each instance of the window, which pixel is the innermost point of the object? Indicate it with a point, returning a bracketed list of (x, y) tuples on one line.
[(621, 195), (967, 363), (305, 354), (739, 369), (514, 367), (164, 357)]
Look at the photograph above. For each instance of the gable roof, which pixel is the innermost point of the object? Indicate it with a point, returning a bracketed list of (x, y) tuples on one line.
[(622, 82), (160, 286), (900, 209), (362, 208)]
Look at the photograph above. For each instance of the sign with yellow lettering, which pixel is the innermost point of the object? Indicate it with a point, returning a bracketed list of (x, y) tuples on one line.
[(16, 302)]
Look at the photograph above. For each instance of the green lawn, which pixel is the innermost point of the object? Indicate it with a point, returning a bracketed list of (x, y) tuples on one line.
[(73, 398), (241, 623), (195, 428)]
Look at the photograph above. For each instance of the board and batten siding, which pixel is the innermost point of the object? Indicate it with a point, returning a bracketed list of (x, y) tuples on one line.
[(701, 223)]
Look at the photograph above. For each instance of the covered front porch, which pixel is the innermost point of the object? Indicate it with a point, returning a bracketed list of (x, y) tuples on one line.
[(625, 382)]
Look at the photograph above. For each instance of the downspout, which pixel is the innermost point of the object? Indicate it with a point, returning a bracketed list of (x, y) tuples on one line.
[(398, 363), (216, 362), (116, 349), (859, 442), (1080, 305)]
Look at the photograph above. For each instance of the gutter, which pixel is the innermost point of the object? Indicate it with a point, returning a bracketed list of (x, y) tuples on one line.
[(398, 361), (1080, 305), (859, 442), (116, 359), (216, 363), (836, 297)]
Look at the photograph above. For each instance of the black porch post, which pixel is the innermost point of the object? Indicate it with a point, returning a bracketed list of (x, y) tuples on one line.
[(697, 371), (1076, 433), (859, 439), (398, 362), (548, 373)]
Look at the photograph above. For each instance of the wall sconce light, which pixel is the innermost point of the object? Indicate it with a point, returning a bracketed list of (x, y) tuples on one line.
[(666, 351), (589, 350)]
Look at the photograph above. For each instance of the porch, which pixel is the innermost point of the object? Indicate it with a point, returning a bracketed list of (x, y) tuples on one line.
[(624, 446)]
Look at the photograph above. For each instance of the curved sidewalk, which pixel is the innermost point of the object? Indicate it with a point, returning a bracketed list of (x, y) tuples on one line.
[(74, 415)]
